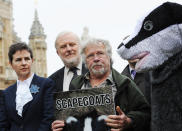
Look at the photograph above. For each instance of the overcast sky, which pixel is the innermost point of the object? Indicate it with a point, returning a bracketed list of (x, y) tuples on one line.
[(107, 19)]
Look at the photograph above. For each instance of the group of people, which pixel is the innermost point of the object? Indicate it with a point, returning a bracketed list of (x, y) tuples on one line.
[(28, 104)]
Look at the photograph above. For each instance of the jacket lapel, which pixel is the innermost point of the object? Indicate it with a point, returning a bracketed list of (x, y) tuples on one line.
[(27, 105), (84, 69), (59, 80), (12, 101), (119, 80), (126, 72), (13, 96)]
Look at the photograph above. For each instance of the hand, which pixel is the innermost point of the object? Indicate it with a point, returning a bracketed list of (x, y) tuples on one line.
[(58, 125), (118, 122)]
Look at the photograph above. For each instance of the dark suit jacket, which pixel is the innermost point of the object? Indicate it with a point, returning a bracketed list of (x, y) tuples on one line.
[(37, 115), (3, 118), (58, 77), (140, 80)]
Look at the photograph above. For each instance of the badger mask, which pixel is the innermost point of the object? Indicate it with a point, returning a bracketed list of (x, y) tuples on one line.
[(156, 45), (156, 37)]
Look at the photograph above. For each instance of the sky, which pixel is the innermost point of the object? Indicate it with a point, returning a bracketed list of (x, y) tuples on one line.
[(107, 19)]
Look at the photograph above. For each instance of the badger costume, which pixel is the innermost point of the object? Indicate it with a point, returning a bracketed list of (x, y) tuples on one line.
[(156, 43)]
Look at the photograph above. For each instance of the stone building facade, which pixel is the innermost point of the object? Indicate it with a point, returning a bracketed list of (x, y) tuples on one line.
[(38, 44)]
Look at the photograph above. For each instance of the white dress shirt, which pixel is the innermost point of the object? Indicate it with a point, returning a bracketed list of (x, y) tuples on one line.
[(68, 76), (23, 94)]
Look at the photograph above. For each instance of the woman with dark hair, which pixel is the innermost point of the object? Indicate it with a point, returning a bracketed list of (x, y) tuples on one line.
[(27, 105)]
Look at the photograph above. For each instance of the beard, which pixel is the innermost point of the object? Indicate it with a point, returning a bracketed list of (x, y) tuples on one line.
[(71, 62), (98, 73)]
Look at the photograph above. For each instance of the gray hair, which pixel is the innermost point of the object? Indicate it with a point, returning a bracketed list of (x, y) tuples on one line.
[(62, 34), (91, 41)]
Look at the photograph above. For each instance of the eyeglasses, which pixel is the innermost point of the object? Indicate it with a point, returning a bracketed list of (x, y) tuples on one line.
[(99, 54)]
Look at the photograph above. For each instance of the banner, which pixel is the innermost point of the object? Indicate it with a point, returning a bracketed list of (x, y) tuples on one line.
[(79, 103)]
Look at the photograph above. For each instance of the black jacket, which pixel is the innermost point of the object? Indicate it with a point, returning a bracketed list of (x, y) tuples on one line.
[(37, 114), (140, 80), (58, 78), (3, 118)]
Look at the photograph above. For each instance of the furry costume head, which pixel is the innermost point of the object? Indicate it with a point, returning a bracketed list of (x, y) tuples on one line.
[(156, 38)]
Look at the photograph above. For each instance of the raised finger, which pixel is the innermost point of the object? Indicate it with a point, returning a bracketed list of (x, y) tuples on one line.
[(118, 109)]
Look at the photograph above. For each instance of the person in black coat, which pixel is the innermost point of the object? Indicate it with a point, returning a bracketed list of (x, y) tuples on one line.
[(26, 105), (67, 46), (139, 78)]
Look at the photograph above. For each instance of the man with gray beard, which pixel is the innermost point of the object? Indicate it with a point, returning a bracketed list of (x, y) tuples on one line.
[(132, 109), (67, 46)]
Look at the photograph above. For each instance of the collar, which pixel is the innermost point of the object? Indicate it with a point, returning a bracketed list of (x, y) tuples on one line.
[(109, 79), (27, 81)]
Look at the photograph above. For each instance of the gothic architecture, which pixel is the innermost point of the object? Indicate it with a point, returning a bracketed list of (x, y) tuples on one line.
[(39, 47), (8, 36)]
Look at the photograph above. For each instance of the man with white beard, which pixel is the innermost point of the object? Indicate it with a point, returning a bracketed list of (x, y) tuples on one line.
[(67, 46)]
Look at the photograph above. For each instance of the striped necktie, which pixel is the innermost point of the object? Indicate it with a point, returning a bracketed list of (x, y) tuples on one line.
[(133, 73)]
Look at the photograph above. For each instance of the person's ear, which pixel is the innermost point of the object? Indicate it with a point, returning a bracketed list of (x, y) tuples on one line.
[(10, 63)]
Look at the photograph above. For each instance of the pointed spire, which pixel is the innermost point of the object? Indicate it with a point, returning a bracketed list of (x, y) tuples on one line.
[(37, 29), (85, 35), (16, 39), (36, 16)]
